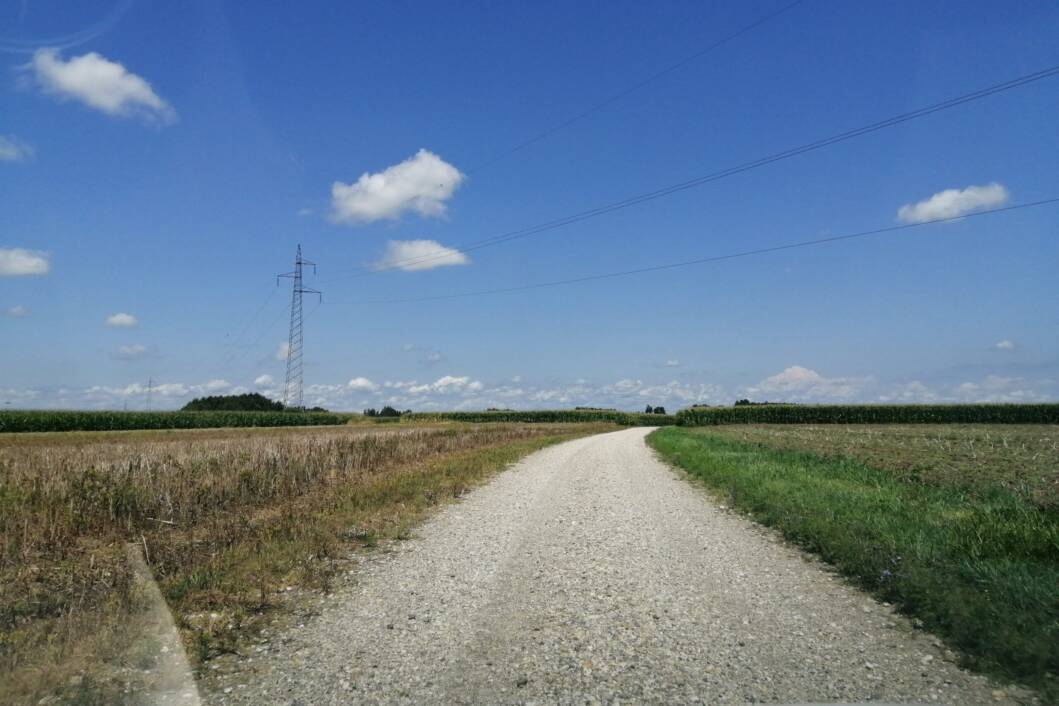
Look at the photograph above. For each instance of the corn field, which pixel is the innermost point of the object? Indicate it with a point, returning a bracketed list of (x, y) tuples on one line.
[(872, 414), (22, 421), (628, 419)]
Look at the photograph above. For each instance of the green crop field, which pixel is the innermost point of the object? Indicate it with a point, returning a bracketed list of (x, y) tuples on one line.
[(872, 414), (29, 420), (956, 525), (549, 416)]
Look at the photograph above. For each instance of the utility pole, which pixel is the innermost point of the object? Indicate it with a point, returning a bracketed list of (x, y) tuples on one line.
[(292, 388), (150, 387)]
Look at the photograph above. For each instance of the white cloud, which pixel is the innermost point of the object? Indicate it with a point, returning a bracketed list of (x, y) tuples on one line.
[(17, 312), (909, 392), (216, 385), (13, 149), (445, 384), (99, 83), (1004, 345), (802, 384), (672, 363), (362, 385), (422, 183), (283, 350), (134, 351), (952, 203), (416, 255), (122, 320), (263, 380), (15, 262)]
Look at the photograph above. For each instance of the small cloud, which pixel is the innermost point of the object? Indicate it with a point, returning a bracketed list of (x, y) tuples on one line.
[(283, 350), (803, 383), (362, 385), (216, 385), (416, 255), (13, 149), (422, 183), (17, 312), (305, 212), (99, 83), (1004, 345), (17, 262), (135, 351), (671, 363), (122, 320), (953, 203), (263, 380)]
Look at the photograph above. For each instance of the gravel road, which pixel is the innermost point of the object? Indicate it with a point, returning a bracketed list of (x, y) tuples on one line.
[(591, 572)]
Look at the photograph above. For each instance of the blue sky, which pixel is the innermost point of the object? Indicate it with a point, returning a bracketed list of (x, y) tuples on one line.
[(163, 160)]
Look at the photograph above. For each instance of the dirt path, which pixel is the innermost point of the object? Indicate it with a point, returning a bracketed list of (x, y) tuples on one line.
[(591, 573)]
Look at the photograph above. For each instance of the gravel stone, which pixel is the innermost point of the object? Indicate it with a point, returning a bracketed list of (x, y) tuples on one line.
[(591, 572)]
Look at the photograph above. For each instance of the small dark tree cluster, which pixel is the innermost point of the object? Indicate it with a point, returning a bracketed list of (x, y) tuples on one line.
[(252, 402), (386, 411), (654, 410), (747, 403)]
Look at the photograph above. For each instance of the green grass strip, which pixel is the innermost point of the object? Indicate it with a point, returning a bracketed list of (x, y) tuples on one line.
[(980, 569)]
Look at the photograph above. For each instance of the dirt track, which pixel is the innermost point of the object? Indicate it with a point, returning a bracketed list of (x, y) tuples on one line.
[(591, 573)]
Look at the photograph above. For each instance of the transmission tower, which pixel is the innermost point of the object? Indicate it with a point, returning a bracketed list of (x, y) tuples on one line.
[(292, 389)]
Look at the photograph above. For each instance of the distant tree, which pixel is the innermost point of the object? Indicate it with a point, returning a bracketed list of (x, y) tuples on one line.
[(743, 403), (252, 402), (649, 410), (371, 413), (659, 410), (389, 411)]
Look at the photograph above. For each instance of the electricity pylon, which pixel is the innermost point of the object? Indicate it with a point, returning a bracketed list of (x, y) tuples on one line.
[(292, 388)]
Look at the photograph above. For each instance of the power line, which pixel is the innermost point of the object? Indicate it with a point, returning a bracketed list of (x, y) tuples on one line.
[(635, 87), (712, 258), (724, 173)]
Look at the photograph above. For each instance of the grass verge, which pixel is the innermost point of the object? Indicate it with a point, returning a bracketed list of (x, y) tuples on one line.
[(977, 565), (228, 521)]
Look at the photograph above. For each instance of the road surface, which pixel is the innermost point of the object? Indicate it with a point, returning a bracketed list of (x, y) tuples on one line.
[(591, 572)]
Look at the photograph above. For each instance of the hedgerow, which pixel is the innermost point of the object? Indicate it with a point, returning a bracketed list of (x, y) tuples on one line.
[(872, 414)]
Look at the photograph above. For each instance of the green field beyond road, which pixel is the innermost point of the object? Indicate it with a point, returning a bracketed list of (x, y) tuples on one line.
[(974, 556)]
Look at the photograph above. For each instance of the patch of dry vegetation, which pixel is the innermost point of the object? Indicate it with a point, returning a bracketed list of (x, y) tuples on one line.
[(226, 519)]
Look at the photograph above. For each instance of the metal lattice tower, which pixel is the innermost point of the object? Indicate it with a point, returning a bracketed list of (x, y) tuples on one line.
[(292, 388)]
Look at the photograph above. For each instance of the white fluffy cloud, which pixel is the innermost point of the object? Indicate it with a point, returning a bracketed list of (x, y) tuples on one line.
[(802, 384), (362, 385), (99, 83), (445, 384), (263, 380), (283, 350), (1005, 345), (952, 203), (122, 320), (13, 149), (671, 363), (134, 351), (17, 311), (15, 262), (422, 183), (415, 255)]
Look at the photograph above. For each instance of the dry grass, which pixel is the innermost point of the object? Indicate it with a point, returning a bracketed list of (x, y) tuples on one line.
[(226, 516), (1023, 459)]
